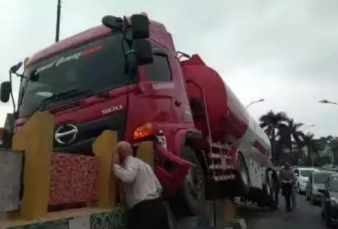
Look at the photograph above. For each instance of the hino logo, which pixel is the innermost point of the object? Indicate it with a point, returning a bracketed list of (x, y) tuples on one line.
[(66, 134)]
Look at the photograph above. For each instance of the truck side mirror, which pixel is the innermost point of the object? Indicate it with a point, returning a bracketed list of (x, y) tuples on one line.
[(113, 23), (140, 26), (142, 51), (16, 67), (5, 91)]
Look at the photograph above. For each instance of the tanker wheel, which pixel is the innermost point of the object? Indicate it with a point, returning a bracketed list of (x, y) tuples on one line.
[(271, 194), (243, 175), (189, 198)]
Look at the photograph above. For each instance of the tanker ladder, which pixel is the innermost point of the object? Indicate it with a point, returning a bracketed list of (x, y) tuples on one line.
[(221, 160)]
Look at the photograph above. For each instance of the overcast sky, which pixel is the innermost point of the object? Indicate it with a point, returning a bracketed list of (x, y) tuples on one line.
[(283, 51)]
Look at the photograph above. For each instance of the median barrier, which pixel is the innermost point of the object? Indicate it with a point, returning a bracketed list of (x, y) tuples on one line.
[(42, 189)]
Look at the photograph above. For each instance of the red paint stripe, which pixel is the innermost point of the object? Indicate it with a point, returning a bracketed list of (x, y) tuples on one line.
[(260, 148)]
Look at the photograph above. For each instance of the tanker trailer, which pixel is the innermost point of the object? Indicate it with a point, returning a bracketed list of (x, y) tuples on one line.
[(238, 150)]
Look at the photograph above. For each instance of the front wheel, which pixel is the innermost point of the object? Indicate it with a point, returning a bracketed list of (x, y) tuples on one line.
[(189, 198)]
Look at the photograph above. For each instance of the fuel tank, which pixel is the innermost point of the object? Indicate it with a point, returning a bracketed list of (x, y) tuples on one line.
[(213, 102)]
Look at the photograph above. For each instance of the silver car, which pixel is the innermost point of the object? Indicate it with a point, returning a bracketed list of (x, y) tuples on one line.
[(316, 185)]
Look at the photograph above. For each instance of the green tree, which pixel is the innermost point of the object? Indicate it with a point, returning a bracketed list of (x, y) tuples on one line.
[(290, 135), (271, 122), (334, 149), (311, 144)]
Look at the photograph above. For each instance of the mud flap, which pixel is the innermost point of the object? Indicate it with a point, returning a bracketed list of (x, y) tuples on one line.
[(170, 177), (185, 203)]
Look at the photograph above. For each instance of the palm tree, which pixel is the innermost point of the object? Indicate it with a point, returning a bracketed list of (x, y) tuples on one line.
[(309, 142), (271, 122), (289, 134), (333, 142)]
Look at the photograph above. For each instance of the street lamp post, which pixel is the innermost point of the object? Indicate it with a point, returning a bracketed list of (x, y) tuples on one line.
[(58, 15), (257, 101), (308, 127), (328, 102)]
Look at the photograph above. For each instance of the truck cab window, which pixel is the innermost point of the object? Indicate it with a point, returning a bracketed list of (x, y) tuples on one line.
[(159, 70)]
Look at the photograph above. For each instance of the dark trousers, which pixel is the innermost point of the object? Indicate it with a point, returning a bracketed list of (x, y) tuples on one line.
[(148, 214), (276, 196), (287, 188)]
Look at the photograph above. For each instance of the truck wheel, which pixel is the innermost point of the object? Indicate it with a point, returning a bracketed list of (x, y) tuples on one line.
[(189, 198), (243, 175), (270, 195)]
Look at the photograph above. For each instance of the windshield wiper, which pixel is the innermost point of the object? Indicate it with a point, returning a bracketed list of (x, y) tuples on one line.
[(69, 93), (60, 96)]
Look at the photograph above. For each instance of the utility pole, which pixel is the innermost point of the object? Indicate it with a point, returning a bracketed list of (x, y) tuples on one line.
[(58, 15)]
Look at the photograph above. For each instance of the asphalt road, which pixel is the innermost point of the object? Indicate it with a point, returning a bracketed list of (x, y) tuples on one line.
[(306, 216)]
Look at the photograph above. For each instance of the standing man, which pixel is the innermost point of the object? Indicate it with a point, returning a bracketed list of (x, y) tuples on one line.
[(141, 188), (286, 177)]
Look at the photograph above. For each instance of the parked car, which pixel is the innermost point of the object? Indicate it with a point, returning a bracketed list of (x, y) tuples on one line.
[(329, 206), (316, 185), (302, 174)]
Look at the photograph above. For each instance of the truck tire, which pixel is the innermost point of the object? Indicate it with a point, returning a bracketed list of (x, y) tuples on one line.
[(243, 173), (189, 198), (270, 188)]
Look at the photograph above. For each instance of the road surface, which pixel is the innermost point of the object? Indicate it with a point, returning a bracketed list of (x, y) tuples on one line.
[(306, 216)]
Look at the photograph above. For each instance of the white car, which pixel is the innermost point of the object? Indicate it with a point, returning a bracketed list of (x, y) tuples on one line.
[(303, 174)]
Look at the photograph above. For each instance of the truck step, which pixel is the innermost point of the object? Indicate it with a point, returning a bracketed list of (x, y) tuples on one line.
[(219, 156), (221, 160), (220, 167), (224, 177), (219, 146)]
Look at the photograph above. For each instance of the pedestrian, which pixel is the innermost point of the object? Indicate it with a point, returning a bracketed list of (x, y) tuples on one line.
[(276, 187), (293, 191), (286, 177), (141, 188)]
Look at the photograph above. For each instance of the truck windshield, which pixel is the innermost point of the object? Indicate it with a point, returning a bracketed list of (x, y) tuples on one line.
[(91, 68)]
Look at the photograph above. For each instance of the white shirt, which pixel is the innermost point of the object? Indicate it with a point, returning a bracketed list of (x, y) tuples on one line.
[(139, 181)]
